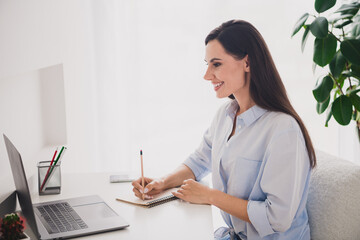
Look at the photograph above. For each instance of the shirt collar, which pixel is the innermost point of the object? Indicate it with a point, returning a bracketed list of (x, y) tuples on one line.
[(249, 116)]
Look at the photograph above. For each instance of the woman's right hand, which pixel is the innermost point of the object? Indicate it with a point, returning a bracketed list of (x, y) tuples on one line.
[(152, 187)]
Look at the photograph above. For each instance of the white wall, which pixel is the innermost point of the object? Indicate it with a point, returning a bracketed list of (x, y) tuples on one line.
[(132, 76), (36, 35), (150, 59), (20, 119)]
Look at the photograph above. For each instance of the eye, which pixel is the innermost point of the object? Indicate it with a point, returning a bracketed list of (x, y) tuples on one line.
[(217, 64)]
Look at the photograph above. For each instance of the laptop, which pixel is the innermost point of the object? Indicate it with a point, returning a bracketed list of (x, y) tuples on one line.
[(63, 218)]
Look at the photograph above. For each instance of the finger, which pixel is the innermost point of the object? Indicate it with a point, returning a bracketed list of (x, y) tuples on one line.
[(154, 192), (150, 187), (137, 193), (189, 181), (178, 195), (182, 191), (137, 185), (142, 196), (148, 180), (185, 186), (138, 180), (148, 197)]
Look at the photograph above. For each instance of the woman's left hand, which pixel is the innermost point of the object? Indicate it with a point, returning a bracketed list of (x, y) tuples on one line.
[(194, 192)]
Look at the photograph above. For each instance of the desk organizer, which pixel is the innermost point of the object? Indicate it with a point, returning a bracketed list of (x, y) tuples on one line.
[(53, 182)]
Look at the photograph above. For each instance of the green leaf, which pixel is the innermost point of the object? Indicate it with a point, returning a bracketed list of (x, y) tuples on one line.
[(300, 23), (353, 91), (355, 32), (343, 23), (340, 17), (357, 118), (341, 80), (321, 107), (346, 16), (324, 50), (337, 64), (355, 69), (350, 48), (350, 12), (356, 18), (351, 74), (305, 37), (322, 91), (355, 99), (323, 5), (346, 8), (328, 117), (319, 27), (342, 110)]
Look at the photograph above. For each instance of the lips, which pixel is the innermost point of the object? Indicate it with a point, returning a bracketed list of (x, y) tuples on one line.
[(217, 86)]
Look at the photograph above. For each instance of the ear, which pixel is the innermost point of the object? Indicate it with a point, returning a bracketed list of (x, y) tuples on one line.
[(246, 63)]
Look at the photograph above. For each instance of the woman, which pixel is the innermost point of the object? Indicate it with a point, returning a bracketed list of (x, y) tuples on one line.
[(257, 148)]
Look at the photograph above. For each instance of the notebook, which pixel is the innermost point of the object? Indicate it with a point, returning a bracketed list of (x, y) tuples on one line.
[(158, 199)]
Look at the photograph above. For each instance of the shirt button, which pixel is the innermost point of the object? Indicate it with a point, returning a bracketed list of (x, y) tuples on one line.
[(239, 126)]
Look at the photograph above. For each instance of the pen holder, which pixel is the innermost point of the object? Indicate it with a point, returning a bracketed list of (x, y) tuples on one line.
[(51, 176)]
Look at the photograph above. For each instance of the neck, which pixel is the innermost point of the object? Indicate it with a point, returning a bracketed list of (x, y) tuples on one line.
[(244, 105), (243, 97)]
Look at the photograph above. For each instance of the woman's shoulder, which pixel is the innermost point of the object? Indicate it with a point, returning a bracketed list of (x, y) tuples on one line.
[(280, 121)]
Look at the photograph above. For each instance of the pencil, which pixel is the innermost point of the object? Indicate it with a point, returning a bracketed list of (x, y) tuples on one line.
[(47, 173), (142, 173)]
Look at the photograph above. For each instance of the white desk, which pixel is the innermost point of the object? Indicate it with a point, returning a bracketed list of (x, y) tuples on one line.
[(173, 220)]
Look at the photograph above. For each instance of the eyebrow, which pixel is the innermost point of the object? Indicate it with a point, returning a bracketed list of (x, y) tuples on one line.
[(213, 59)]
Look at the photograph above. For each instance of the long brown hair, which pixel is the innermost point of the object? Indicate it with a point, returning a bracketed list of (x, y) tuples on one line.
[(239, 38)]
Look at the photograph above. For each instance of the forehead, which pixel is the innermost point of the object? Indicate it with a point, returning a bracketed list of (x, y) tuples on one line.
[(214, 49)]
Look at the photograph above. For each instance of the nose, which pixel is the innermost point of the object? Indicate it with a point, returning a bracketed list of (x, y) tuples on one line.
[(208, 75)]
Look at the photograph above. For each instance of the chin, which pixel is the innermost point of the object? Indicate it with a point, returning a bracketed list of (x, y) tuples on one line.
[(221, 95)]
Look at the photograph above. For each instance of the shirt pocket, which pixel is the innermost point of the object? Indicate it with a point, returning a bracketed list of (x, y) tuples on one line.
[(243, 176)]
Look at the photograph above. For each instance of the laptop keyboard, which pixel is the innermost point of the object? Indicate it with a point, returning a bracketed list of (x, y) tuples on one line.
[(60, 217)]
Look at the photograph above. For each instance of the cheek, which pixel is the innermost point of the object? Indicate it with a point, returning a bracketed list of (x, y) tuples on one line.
[(224, 75), (240, 77)]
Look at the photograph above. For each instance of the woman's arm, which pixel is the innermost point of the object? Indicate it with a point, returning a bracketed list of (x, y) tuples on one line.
[(196, 166), (195, 192), (155, 186), (227, 202), (177, 177)]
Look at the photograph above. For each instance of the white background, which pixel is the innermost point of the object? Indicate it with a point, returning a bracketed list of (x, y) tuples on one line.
[(132, 79)]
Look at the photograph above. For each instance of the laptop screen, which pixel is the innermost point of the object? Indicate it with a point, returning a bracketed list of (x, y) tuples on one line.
[(21, 185)]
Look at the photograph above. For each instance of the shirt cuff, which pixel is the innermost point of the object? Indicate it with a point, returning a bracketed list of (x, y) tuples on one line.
[(258, 217), (197, 169)]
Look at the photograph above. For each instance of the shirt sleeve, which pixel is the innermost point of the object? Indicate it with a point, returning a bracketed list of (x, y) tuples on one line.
[(283, 181), (200, 161)]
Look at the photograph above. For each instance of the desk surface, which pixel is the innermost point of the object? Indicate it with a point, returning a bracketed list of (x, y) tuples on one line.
[(173, 220)]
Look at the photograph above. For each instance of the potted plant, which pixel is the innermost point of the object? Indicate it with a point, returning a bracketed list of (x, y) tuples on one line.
[(336, 47), (12, 227)]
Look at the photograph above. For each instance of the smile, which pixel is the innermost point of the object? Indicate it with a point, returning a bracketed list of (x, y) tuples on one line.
[(218, 85)]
